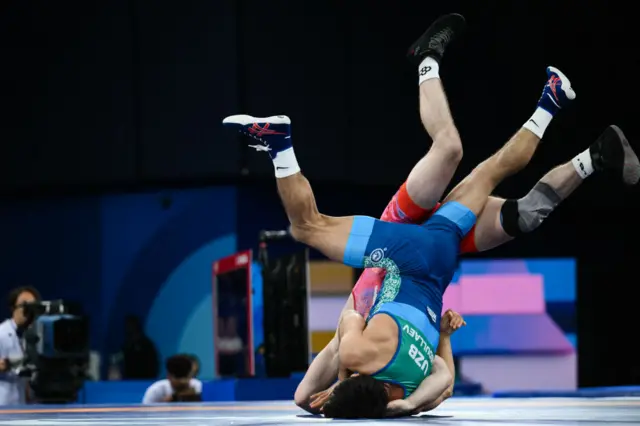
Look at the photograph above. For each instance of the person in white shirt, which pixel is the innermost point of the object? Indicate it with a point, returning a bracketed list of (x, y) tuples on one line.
[(13, 389), (179, 386)]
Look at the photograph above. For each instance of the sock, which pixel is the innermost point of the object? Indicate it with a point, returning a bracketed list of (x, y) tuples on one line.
[(539, 122), (548, 103), (428, 69), (583, 164), (285, 163)]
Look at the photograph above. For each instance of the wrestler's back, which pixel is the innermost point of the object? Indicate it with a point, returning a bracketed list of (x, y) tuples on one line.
[(382, 331)]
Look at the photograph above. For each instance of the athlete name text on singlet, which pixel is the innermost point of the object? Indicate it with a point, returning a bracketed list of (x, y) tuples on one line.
[(413, 359)]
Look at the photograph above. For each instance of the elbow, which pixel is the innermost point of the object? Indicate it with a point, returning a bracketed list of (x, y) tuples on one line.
[(448, 380), (448, 392), (305, 404), (303, 400)]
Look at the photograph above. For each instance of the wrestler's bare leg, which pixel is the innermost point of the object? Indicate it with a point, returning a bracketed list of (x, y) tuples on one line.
[(432, 174), (327, 234), (543, 198), (415, 200), (502, 220), (474, 190)]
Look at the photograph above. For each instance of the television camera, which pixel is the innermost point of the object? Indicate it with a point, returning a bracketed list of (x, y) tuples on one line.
[(56, 351)]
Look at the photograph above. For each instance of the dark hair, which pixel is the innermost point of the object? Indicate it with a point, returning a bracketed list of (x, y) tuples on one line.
[(179, 366), (16, 292), (357, 397), (194, 361)]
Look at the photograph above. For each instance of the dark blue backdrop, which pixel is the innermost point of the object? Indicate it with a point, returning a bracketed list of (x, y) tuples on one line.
[(146, 254)]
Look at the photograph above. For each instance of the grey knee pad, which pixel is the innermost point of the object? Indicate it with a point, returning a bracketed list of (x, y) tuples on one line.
[(527, 213)]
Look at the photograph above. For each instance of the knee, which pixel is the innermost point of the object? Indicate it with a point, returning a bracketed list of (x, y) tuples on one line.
[(300, 233), (306, 232), (527, 213), (448, 141)]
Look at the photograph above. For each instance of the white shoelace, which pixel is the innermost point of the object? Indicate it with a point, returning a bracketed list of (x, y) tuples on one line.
[(261, 147)]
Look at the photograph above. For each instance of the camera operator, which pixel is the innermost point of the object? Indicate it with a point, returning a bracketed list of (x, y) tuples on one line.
[(13, 389)]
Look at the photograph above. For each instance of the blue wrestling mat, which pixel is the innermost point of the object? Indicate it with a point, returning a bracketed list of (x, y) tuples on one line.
[(456, 411)]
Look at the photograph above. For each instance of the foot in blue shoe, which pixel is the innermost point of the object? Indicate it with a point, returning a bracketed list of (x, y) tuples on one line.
[(273, 135), (557, 92)]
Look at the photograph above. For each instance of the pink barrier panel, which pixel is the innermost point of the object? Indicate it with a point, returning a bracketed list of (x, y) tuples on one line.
[(496, 294)]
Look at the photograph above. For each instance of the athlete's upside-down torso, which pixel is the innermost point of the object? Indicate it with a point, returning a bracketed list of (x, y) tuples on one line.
[(401, 209), (385, 330)]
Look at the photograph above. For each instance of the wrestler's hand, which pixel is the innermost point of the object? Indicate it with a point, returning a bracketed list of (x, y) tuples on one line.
[(317, 400), (399, 408), (450, 322)]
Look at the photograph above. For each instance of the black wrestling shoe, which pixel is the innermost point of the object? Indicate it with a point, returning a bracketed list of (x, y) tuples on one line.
[(612, 152), (436, 39)]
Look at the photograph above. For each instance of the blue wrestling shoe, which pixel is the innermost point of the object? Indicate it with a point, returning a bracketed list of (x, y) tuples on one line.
[(273, 133), (437, 37), (612, 152), (557, 92)]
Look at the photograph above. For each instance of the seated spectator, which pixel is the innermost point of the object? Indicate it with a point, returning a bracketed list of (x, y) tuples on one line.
[(139, 354), (179, 386)]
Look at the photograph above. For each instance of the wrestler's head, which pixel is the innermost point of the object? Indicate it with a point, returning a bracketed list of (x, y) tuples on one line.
[(359, 396)]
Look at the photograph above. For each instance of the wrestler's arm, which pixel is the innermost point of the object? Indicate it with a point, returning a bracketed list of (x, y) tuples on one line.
[(322, 372), (422, 399), (446, 353), (433, 388), (324, 369), (355, 351)]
